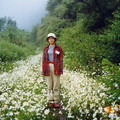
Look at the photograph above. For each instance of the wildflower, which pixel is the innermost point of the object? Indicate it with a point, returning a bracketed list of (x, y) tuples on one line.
[(46, 111), (70, 116), (95, 119), (80, 91), (60, 112), (111, 115), (10, 113), (108, 109), (43, 91), (16, 113), (16, 118), (5, 106), (25, 104)]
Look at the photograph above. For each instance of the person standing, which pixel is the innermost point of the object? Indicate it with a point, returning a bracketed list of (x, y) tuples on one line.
[(52, 68)]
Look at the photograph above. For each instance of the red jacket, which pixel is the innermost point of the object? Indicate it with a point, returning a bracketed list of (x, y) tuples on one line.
[(58, 61)]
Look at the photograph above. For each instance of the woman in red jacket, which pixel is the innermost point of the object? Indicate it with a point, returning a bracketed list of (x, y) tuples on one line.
[(52, 68)]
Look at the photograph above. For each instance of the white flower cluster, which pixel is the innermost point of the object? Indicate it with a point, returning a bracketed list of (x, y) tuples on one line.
[(22, 90), (23, 93), (84, 94)]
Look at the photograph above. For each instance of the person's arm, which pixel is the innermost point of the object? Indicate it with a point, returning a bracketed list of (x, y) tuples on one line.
[(61, 55), (42, 60), (61, 61)]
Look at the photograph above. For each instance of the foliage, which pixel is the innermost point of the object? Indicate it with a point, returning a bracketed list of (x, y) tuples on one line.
[(2, 23), (112, 39), (7, 21), (96, 12), (15, 44), (95, 15), (52, 4), (60, 11), (33, 35), (111, 77), (11, 52), (82, 51), (16, 36), (99, 12), (10, 32)]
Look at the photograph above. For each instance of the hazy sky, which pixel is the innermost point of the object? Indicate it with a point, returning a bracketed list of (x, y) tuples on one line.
[(27, 13)]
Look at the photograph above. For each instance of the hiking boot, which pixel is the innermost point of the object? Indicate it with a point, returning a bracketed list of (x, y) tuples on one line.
[(57, 105), (51, 104)]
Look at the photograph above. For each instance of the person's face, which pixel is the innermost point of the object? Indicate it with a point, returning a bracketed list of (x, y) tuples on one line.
[(51, 40)]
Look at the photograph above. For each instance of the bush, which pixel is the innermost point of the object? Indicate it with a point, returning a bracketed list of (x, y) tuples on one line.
[(111, 77), (82, 51), (113, 39), (10, 52)]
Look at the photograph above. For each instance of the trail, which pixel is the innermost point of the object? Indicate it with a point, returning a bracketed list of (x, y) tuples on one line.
[(23, 94)]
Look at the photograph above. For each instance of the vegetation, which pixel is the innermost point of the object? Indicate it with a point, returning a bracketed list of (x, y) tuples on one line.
[(23, 95), (15, 44), (89, 32)]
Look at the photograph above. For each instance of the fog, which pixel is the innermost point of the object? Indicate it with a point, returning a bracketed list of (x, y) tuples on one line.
[(26, 13)]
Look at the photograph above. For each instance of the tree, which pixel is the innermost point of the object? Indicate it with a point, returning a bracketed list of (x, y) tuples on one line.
[(11, 22), (52, 4), (34, 33), (6, 21), (113, 39), (2, 23), (96, 12)]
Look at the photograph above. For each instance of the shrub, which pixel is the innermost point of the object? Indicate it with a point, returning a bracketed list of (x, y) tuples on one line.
[(82, 51), (10, 52), (111, 77)]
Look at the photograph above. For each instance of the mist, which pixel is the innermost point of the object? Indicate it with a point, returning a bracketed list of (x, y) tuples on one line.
[(27, 13)]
